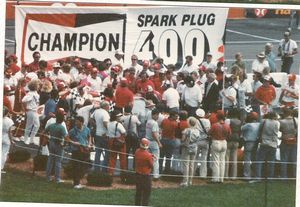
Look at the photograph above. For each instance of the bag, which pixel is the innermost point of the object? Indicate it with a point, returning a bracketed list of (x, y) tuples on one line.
[(118, 142), (208, 137)]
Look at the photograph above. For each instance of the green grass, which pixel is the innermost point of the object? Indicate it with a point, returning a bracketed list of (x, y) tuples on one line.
[(21, 187)]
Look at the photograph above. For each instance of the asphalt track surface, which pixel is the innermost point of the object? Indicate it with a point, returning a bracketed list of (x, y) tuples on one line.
[(247, 36)]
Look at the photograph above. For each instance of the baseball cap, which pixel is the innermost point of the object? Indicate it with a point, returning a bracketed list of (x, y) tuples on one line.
[(267, 78), (56, 65), (200, 112), (144, 144), (119, 52), (208, 54)]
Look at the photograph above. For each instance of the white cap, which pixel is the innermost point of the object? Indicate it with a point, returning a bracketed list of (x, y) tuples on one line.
[(200, 112), (119, 52), (56, 65)]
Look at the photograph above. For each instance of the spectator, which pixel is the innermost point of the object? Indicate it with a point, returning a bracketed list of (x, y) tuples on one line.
[(239, 61), (143, 167), (188, 66), (203, 126), (56, 142), (143, 83), (209, 64), (250, 133), (95, 81), (115, 130), (219, 133), (119, 58), (191, 96), (152, 134), (30, 104), (270, 57), (265, 94), (170, 97), (168, 141), (19, 94), (232, 143), (289, 96), (211, 94), (55, 73), (36, 59), (123, 95), (190, 137), (134, 63), (259, 63), (287, 50), (229, 94), (288, 147), (267, 150), (81, 141), (7, 127), (101, 118)]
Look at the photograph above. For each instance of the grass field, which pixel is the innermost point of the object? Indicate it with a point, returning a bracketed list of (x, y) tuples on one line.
[(21, 187)]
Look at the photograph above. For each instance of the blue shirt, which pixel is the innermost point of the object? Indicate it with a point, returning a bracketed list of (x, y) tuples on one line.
[(81, 136), (50, 106), (250, 131), (271, 60)]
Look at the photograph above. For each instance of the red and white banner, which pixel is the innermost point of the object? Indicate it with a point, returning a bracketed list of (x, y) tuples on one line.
[(96, 32)]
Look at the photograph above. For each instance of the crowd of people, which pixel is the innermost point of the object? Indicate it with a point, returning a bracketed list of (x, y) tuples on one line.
[(194, 117)]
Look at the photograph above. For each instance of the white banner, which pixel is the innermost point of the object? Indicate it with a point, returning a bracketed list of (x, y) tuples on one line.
[(96, 32)]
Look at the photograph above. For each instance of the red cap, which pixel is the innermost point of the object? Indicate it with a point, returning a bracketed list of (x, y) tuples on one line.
[(254, 115), (13, 56), (124, 81), (144, 143)]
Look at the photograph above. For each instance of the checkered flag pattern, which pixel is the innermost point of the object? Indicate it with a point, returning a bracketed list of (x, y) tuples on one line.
[(20, 118), (74, 94), (111, 103), (248, 109)]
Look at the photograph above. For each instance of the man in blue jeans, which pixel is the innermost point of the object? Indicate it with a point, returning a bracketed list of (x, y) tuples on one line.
[(57, 135), (101, 118)]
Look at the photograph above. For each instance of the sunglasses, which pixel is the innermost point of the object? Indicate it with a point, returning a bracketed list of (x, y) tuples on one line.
[(133, 59)]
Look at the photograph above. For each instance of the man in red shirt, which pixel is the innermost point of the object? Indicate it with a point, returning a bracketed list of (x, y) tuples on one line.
[(124, 96), (143, 167), (266, 93), (35, 64), (143, 83), (168, 141)]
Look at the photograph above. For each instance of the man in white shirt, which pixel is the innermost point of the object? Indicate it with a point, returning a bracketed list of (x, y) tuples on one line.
[(286, 50), (209, 64), (138, 68), (119, 58), (95, 81), (56, 73), (290, 93), (260, 63), (228, 95), (101, 118), (170, 97), (188, 67), (191, 96)]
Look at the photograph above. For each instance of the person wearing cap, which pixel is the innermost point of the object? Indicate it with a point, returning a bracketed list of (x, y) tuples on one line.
[(57, 134), (7, 136), (286, 50), (153, 95), (219, 133), (116, 130), (229, 94), (190, 137), (266, 93), (80, 139), (143, 166), (56, 72), (208, 63), (170, 97), (76, 68), (250, 133), (260, 63), (211, 94), (30, 103), (101, 118), (289, 96), (95, 81), (36, 59), (203, 125), (169, 143), (119, 58), (153, 135), (191, 96), (123, 95), (134, 64), (288, 146), (188, 66), (12, 64), (270, 57), (113, 79)]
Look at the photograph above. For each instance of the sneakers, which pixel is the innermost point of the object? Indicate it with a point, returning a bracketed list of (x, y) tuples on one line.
[(183, 185), (78, 186), (59, 181), (27, 141)]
